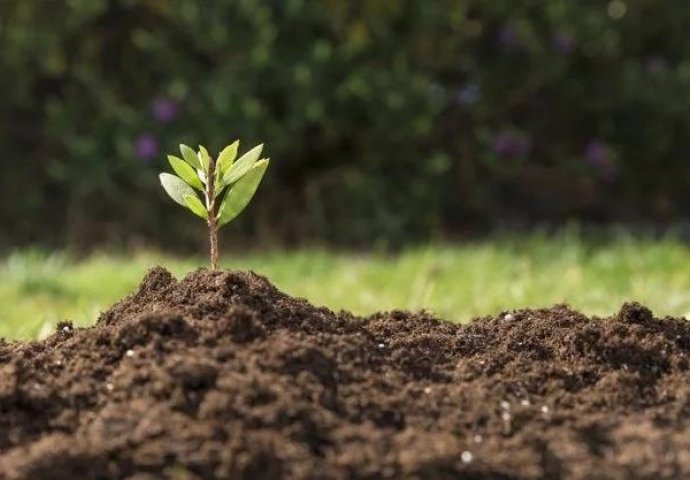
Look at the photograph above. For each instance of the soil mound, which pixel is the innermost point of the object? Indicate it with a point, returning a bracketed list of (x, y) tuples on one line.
[(220, 375)]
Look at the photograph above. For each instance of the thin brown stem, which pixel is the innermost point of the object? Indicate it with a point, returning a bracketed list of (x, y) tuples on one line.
[(213, 233), (212, 212)]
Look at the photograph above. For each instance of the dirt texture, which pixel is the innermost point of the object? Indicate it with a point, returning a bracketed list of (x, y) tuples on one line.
[(220, 375)]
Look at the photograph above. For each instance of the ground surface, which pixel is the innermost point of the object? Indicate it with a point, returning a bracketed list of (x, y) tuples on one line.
[(455, 282), (222, 376)]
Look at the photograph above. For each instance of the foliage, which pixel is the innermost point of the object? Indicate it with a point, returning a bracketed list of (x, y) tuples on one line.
[(393, 120), (227, 186), (235, 182)]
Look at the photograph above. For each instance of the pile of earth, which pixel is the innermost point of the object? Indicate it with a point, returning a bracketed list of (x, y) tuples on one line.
[(220, 375)]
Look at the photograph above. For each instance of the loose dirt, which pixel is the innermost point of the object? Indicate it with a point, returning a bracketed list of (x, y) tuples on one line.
[(220, 375)]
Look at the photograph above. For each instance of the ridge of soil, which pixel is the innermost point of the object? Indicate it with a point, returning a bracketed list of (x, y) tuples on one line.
[(220, 375)]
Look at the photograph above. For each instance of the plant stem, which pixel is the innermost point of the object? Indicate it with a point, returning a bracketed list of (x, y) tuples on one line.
[(213, 231), (211, 207)]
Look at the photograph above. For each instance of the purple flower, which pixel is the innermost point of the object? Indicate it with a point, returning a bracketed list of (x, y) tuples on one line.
[(165, 110), (563, 42), (509, 144), (508, 37), (596, 152), (656, 65), (469, 94), (598, 155), (146, 146)]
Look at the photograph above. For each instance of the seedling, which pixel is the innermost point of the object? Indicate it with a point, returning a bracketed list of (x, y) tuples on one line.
[(227, 186)]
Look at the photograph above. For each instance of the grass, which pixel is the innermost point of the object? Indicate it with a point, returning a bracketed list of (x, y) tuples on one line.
[(37, 289)]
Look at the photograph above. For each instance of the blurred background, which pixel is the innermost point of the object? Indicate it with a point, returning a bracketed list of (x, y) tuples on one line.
[(391, 126)]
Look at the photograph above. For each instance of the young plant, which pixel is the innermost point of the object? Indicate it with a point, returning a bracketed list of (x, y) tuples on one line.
[(226, 186)]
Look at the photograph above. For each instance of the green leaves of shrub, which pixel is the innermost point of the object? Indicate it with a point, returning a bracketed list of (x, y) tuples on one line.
[(190, 156), (243, 165), (227, 157), (176, 188), (185, 172), (242, 192), (193, 203), (231, 182)]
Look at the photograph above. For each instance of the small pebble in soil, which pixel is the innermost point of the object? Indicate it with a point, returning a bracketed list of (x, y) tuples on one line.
[(109, 387), (466, 457), (544, 409), (66, 329), (505, 405), (129, 353), (509, 317), (506, 416), (478, 439), (382, 345), (427, 390), (524, 402)]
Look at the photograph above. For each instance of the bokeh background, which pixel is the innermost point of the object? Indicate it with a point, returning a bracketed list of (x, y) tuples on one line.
[(389, 123)]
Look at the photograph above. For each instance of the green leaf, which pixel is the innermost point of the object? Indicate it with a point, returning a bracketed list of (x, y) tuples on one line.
[(243, 165), (204, 158), (190, 156), (241, 193), (194, 204), (185, 172), (202, 176), (176, 188), (219, 187), (226, 158)]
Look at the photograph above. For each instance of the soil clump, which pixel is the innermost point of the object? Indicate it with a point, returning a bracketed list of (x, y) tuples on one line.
[(220, 375)]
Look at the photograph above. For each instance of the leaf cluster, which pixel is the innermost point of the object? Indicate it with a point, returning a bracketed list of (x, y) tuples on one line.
[(229, 180)]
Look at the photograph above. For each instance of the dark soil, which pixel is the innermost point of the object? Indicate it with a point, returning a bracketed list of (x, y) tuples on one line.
[(220, 375)]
